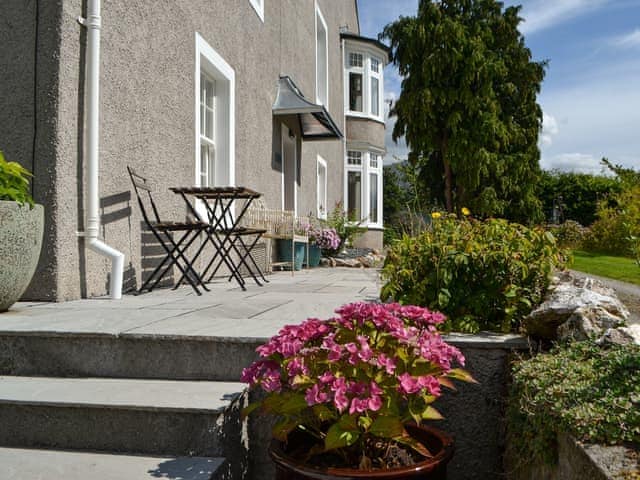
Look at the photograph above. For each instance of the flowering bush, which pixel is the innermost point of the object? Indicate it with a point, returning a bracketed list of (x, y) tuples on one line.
[(325, 238), (484, 275), (354, 381)]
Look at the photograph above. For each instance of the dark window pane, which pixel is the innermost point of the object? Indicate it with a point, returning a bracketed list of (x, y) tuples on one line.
[(373, 198), (354, 195), (355, 92)]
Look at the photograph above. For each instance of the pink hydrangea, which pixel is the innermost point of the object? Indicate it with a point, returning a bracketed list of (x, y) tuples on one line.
[(356, 361)]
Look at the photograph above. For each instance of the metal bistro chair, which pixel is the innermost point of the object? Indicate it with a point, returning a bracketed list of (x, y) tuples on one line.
[(175, 250)]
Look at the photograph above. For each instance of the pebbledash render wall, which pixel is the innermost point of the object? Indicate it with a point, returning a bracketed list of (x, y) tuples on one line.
[(148, 113)]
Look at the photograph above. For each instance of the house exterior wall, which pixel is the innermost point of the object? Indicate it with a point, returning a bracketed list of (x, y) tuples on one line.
[(28, 117), (148, 115)]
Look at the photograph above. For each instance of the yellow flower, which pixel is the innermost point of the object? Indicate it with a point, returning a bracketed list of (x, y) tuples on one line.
[(436, 215), (465, 211)]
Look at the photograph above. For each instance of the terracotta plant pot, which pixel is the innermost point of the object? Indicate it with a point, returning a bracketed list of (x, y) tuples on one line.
[(438, 442)]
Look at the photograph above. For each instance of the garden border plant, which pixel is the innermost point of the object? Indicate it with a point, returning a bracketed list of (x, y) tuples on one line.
[(583, 389), (484, 275), (14, 182)]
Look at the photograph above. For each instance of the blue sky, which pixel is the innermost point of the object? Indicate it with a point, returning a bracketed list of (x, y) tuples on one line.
[(591, 94)]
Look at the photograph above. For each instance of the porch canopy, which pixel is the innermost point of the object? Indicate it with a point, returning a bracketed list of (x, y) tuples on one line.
[(315, 121)]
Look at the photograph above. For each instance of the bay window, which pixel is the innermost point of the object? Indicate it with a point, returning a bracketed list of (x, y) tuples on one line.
[(363, 185), (363, 76)]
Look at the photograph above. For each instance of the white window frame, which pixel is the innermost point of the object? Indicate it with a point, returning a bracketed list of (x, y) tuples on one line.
[(319, 99), (365, 170), (378, 172), (367, 75), (321, 164), (360, 70), (377, 75), (258, 6), (209, 61)]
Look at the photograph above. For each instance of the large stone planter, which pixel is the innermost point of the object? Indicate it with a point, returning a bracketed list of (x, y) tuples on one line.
[(21, 230)]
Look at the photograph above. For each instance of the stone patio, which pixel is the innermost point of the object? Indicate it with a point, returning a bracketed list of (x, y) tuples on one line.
[(225, 311)]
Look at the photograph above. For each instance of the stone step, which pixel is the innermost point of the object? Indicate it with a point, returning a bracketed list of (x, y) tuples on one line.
[(34, 464), (170, 357), (154, 417)]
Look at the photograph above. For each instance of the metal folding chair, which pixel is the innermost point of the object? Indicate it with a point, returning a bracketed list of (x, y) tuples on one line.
[(162, 231)]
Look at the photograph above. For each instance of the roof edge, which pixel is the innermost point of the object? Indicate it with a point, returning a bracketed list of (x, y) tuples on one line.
[(371, 41)]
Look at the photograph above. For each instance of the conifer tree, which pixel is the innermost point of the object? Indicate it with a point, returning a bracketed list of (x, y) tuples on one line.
[(468, 106)]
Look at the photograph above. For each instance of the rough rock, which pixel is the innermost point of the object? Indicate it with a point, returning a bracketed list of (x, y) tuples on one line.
[(588, 322), (347, 262), (621, 335), (581, 307)]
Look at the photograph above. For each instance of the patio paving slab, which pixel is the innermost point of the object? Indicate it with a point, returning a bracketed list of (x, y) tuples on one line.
[(225, 311), (32, 464)]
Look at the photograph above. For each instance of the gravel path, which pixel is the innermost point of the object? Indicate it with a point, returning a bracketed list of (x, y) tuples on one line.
[(628, 293)]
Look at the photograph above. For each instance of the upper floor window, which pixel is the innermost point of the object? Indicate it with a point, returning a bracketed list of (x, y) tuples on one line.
[(215, 114), (322, 60), (365, 83), (258, 6), (355, 60)]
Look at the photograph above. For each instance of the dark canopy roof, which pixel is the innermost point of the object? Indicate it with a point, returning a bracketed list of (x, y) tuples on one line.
[(315, 121)]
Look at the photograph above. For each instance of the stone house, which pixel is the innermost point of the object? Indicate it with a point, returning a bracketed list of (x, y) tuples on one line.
[(191, 92)]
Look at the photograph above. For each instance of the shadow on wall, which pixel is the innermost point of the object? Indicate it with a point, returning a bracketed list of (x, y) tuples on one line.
[(151, 256), (115, 207)]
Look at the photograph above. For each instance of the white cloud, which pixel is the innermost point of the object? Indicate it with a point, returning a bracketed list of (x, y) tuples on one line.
[(542, 14), (549, 129), (628, 40), (573, 162)]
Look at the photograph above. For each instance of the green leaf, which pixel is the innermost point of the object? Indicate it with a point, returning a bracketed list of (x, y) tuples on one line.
[(414, 444), (445, 382), (460, 374), (431, 413), (294, 404), (387, 427), (323, 413), (344, 433), (282, 429)]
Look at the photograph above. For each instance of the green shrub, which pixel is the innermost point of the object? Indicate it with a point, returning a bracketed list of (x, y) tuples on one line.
[(575, 194), (569, 234), (347, 227), (484, 275), (618, 226), (14, 182), (582, 389)]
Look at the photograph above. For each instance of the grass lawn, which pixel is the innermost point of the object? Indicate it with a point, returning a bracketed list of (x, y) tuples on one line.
[(618, 268)]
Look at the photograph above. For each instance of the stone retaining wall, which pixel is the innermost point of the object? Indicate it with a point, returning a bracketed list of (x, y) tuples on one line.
[(577, 461)]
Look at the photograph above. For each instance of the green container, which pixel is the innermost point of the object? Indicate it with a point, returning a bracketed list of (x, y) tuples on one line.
[(284, 252), (315, 253)]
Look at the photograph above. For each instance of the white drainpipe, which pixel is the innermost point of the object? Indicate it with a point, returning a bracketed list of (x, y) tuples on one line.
[(92, 225)]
